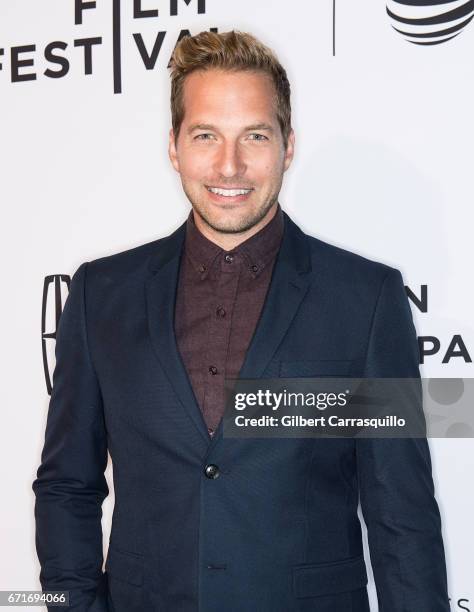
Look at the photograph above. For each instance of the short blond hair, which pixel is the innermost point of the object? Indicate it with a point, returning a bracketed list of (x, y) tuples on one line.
[(232, 51)]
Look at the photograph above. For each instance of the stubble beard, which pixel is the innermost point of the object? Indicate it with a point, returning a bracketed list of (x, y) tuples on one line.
[(243, 224)]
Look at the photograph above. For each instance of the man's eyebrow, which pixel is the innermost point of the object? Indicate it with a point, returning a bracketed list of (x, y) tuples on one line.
[(199, 126), (260, 126), (209, 126)]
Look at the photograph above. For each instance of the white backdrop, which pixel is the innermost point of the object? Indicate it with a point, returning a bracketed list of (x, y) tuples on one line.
[(383, 167)]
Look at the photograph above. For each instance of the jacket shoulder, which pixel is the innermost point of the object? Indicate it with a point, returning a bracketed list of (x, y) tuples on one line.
[(136, 261), (126, 262), (344, 265)]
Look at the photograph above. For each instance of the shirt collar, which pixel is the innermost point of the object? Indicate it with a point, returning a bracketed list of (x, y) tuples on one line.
[(257, 251)]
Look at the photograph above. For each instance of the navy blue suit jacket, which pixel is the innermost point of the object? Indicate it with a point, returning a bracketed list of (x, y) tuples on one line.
[(278, 530)]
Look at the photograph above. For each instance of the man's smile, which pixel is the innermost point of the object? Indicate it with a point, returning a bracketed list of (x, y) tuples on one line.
[(220, 194)]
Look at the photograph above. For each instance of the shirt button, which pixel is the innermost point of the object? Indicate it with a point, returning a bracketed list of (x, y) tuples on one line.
[(254, 268), (220, 312), (211, 431), (202, 268), (211, 471), (228, 258), (213, 370)]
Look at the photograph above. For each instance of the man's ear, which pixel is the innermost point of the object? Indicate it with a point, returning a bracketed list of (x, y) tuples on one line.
[(173, 155), (290, 149)]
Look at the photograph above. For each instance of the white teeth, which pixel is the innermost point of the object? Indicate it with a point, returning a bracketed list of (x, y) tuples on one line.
[(228, 192)]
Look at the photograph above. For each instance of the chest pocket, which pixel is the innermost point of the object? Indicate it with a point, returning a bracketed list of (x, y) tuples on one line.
[(315, 368)]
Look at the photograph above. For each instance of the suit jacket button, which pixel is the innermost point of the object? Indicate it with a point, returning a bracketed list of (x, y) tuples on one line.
[(211, 471)]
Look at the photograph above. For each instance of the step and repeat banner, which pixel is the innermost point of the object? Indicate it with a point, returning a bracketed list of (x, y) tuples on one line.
[(382, 99)]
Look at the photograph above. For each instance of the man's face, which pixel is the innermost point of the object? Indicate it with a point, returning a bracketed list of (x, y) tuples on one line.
[(230, 139)]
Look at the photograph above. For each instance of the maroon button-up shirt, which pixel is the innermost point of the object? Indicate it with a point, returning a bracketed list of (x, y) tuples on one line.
[(219, 298)]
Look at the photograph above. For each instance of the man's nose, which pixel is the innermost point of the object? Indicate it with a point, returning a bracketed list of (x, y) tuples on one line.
[(230, 160)]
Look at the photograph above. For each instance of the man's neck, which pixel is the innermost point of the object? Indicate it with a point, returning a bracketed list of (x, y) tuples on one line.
[(231, 241)]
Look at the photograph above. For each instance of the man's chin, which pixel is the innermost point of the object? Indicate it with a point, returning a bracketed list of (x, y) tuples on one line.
[(228, 221), (230, 226)]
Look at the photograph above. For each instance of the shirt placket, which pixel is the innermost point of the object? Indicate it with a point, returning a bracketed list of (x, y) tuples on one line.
[(224, 282)]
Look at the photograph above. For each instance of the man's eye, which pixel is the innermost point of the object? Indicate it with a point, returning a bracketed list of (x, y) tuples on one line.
[(199, 136), (260, 137)]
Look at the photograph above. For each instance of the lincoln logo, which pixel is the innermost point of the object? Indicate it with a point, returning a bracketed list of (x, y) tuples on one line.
[(55, 292), (430, 22)]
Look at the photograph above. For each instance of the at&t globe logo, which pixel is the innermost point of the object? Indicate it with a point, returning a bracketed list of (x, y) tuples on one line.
[(430, 22)]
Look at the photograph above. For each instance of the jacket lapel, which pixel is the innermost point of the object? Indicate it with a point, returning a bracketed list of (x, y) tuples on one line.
[(288, 286), (160, 290)]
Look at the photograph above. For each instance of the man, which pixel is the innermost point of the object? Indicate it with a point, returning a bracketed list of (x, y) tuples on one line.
[(203, 522)]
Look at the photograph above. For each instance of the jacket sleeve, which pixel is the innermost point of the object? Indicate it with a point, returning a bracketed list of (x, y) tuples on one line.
[(70, 485), (395, 477)]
